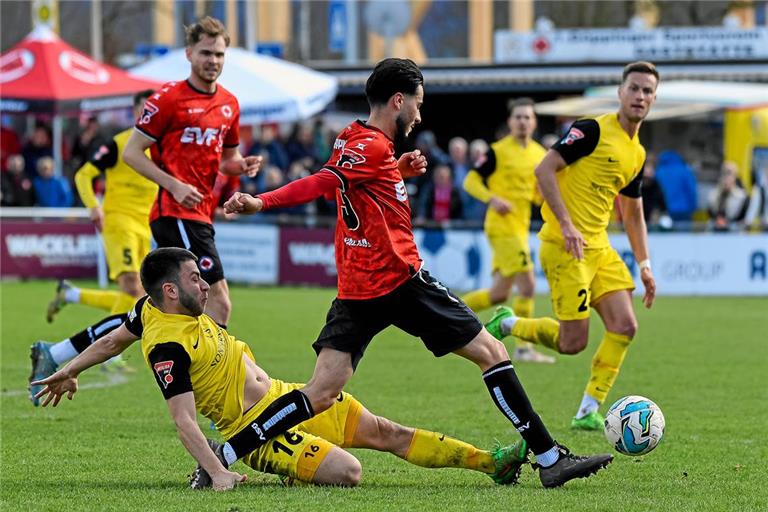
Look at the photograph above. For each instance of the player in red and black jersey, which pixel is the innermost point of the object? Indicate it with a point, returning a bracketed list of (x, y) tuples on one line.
[(381, 279), (192, 128)]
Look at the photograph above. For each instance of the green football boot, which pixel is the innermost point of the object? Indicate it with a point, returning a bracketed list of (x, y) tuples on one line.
[(494, 324), (592, 421), (509, 462)]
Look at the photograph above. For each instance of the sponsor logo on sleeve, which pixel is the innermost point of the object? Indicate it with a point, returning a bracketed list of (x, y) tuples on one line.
[(163, 371), (149, 110), (349, 158), (574, 134)]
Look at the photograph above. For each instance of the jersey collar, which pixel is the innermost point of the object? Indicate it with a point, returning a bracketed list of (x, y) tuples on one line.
[(199, 91), (368, 126)]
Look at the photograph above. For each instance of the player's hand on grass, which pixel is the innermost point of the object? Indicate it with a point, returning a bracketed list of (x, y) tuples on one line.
[(55, 387), (574, 241), (650, 287), (97, 217), (500, 205), (226, 480), (186, 195), (412, 164), (240, 202)]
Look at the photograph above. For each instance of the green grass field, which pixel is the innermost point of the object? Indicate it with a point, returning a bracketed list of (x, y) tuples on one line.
[(703, 360)]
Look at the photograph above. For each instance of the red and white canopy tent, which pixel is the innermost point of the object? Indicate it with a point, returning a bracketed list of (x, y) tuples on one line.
[(43, 74)]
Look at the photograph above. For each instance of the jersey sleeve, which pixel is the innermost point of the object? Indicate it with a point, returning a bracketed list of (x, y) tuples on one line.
[(634, 188), (359, 160), (486, 164), (580, 141), (84, 183), (105, 156), (232, 139), (170, 365), (133, 323), (156, 116)]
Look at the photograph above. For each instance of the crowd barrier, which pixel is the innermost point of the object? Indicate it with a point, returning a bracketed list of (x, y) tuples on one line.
[(683, 263)]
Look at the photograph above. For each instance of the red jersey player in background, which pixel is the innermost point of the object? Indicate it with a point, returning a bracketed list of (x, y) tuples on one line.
[(382, 282), (192, 127)]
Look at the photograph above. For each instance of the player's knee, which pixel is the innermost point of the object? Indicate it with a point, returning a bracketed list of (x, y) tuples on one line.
[(572, 341), (131, 284), (627, 327), (350, 473), (499, 296)]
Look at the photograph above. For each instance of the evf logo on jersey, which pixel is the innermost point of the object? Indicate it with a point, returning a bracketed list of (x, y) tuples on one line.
[(198, 136), (349, 158), (574, 134), (400, 191)]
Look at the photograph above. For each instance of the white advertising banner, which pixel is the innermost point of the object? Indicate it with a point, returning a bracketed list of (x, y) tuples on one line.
[(249, 252), (683, 264), (625, 44)]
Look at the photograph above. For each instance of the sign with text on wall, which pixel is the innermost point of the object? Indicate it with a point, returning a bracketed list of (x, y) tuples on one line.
[(625, 45)]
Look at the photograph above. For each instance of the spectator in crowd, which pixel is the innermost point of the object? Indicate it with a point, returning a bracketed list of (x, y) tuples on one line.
[(727, 203), (458, 154), (477, 150), (9, 145), (39, 146), (678, 184), (654, 208), (323, 140), (16, 187), (51, 191), (427, 144), (86, 142), (270, 142), (301, 146), (440, 200), (757, 211)]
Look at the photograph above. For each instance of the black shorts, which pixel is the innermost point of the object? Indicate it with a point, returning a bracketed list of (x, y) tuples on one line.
[(421, 306), (197, 237)]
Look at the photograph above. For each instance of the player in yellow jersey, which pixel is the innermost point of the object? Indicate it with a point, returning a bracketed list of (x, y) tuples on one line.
[(199, 366), (597, 161), (504, 179), (123, 221)]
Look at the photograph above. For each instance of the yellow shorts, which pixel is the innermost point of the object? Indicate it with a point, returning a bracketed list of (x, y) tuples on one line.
[(126, 242), (576, 285), (511, 254), (299, 451)]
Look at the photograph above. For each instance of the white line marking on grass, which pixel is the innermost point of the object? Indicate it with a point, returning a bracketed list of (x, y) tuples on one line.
[(112, 380)]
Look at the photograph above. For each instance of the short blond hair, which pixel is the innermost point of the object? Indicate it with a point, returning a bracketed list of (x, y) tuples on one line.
[(207, 26)]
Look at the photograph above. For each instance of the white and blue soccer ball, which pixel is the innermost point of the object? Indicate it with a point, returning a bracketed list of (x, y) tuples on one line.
[(634, 425)]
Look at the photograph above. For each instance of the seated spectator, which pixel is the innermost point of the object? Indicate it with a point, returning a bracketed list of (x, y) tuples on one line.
[(270, 142), (654, 208), (51, 191), (458, 153), (757, 211), (678, 184), (727, 203), (39, 146), (16, 187), (441, 199), (9, 145)]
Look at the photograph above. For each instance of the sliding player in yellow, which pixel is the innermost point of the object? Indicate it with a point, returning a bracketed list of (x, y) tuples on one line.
[(506, 182), (580, 178), (123, 221), (198, 366)]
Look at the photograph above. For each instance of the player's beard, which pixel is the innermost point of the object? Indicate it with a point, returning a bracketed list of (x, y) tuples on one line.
[(400, 135), (194, 306)]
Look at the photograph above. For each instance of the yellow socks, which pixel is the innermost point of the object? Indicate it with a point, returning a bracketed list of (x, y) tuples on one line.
[(123, 304), (478, 300), (606, 363), (102, 299), (433, 450), (543, 331), (523, 308)]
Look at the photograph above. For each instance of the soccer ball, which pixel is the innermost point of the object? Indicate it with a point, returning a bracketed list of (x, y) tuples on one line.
[(634, 425)]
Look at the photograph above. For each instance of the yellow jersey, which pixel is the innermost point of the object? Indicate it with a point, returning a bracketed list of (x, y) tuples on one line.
[(507, 172), (192, 353), (126, 191), (603, 161)]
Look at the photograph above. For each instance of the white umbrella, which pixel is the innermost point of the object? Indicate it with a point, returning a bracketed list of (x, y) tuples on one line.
[(268, 89)]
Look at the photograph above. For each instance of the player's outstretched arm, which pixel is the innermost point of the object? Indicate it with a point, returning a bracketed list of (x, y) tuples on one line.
[(240, 202), (182, 409), (545, 175), (64, 381), (637, 232)]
